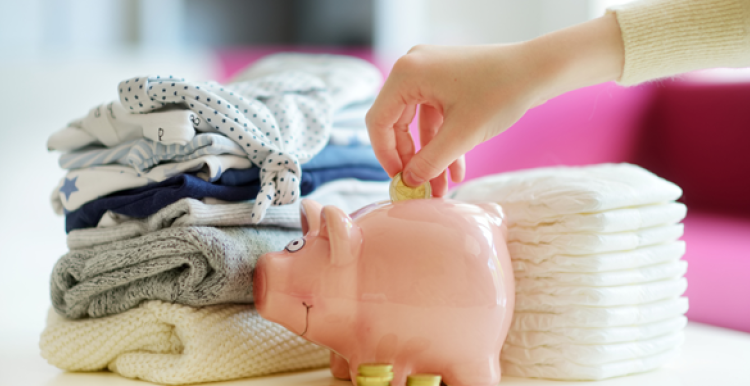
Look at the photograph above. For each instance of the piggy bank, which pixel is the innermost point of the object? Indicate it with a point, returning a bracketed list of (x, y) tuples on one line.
[(425, 285)]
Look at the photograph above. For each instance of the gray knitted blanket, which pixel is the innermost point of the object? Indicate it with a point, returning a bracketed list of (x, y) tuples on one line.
[(185, 212), (196, 266)]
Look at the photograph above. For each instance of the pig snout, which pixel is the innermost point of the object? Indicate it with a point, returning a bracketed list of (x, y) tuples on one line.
[(273, 298)]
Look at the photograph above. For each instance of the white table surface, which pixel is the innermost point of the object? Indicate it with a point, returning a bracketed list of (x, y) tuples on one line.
[(711, 356)]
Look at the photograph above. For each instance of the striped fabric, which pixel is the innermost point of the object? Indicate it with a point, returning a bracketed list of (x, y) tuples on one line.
[(142, 154)]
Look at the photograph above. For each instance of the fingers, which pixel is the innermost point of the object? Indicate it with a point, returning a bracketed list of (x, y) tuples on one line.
[(439, 185), (385, 112), (430, 120), (404, 141), (448, 144), (458, 169)]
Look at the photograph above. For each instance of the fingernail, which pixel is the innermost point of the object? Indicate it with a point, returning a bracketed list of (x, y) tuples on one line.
[(411, 180)]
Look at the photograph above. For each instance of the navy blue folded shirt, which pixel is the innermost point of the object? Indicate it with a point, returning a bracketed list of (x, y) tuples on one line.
[(233, 185)]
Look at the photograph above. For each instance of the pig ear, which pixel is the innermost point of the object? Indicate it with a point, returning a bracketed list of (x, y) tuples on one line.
[(344, 236), (309, 211)]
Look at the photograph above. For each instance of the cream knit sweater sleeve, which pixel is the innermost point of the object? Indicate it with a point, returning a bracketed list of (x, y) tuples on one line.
[(668, 37)]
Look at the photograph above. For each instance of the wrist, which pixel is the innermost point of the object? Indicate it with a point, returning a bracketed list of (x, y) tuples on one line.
[(583, 55)]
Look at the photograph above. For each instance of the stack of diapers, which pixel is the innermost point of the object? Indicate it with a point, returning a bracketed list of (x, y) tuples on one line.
[(596, 259)]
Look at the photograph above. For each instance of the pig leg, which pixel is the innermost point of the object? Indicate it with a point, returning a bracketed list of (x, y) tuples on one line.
[(339, 367), (354, 363), (480, 373), (399, 375)]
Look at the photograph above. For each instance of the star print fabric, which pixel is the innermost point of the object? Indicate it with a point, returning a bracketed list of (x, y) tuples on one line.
[(279, 120), (81, 186)]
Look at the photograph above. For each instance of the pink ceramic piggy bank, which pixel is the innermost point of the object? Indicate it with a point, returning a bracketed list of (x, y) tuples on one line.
[(424, 285)]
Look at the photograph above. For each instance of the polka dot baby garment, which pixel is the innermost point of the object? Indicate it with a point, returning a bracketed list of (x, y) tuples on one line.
[(280, 120)]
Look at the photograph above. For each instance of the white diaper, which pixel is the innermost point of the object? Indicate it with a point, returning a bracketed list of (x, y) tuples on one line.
[(669, 270), (532, 265), (546, 299), (545, 245), (567, 370), (591, 354), (615, 220), (536, 194), (604, 335), (557, 317)]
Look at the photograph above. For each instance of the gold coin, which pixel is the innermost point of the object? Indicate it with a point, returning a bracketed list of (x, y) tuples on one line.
[(375, 370), (400, 192), (423, 380), (374, 381)]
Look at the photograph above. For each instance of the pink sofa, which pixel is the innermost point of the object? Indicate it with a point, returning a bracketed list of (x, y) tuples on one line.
[(693, 134)]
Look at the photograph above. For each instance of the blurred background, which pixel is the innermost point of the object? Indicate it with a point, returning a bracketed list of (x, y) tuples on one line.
[(59, 58), (36, 27)]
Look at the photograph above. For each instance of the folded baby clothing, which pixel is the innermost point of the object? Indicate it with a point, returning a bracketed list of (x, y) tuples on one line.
[(232, 185), (343, 156), (311, 179), (142, 202), (596, 257), (347, 194), (349, 127), (349, 81), (142, 154), (171, 195), (279, 113), (175, 344), (208, 156), (82, 186), (112, 124), (189, 265)]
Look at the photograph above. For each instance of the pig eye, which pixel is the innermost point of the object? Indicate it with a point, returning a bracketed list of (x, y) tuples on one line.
[(295, 245)]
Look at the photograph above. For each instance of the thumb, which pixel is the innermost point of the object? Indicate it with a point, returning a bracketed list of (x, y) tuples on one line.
[(450, 143)]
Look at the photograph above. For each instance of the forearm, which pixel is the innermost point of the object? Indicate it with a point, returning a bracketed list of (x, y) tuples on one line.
[(641, 41), (583, 55)]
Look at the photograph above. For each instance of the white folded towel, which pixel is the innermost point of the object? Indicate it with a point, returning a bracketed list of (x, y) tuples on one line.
[(536, 194), (175, 344)]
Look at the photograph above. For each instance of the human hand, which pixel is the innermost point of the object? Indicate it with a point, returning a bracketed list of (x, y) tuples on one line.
[(467, 95)]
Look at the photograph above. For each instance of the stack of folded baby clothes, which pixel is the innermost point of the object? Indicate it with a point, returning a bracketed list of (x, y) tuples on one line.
[(596, 259), (173, 193)]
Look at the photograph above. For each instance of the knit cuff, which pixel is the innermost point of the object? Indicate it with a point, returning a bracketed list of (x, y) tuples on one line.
[(669, 37)]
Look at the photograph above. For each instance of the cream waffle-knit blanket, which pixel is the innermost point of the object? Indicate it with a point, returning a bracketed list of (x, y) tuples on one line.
[(175, 344)]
